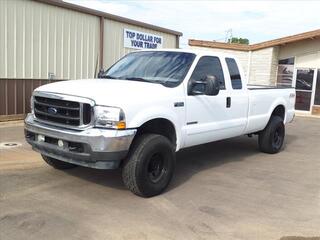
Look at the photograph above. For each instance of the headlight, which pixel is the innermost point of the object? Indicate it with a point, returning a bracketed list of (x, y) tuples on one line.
[(109, 117)]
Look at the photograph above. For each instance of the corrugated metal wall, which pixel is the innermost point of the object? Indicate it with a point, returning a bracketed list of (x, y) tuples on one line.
[(37, 39), (15, 96), (113, 40)]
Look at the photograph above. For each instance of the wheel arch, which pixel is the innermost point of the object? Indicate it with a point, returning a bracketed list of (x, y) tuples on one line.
[(280, 111), (162, 126), (278, 108)]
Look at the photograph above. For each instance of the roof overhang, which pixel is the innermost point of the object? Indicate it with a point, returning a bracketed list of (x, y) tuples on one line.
[(242, 47)]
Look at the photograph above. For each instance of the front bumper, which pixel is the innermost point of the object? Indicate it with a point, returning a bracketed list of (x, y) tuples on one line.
[(92, 147)]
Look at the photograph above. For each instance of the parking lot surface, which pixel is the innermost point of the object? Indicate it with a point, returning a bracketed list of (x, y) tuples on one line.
[(222, 190)]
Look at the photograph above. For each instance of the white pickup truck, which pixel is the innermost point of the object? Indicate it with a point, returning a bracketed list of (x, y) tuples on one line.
[(149, 105)]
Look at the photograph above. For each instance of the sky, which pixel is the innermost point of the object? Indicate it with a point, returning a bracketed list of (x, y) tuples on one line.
[(210, 20)]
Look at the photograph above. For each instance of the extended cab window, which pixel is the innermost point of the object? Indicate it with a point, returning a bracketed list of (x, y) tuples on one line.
[(234, 73), (208, 66)]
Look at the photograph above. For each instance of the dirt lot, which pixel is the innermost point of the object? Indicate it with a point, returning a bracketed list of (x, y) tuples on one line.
[(222, 190)]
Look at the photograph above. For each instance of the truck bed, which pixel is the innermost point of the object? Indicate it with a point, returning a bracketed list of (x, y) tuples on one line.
[(263, 101)]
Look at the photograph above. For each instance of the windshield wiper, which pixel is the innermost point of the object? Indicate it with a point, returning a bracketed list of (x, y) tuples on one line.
[(138, 79), (110, 77)]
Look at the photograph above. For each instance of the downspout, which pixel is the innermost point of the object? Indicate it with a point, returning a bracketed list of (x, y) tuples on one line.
[(101, 41)]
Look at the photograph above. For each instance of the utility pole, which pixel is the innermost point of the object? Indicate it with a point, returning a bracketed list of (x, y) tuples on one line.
[(228, 35)]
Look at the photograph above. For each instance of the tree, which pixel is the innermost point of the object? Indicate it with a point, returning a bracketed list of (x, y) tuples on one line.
[(238, 40)]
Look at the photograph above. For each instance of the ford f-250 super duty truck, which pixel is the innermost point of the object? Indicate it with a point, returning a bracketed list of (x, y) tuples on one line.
[(149, 105)]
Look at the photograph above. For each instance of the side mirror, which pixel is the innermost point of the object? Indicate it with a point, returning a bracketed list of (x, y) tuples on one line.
[(209, 86), (212, 86)]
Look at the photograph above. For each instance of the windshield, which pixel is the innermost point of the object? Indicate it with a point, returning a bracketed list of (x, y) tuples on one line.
[(167, 68)]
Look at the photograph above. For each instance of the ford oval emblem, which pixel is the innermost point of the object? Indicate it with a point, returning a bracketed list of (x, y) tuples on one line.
[(52, 110)]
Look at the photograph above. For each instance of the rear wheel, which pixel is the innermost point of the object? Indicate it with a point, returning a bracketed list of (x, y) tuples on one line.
[(57, 163), (272, 137), (149, 167)]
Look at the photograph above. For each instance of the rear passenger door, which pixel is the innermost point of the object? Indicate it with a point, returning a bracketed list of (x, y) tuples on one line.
[(208, 118), (238, 94)]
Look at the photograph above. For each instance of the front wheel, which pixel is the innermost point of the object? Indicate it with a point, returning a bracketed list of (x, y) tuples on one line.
[(149, 166), (272, 137)]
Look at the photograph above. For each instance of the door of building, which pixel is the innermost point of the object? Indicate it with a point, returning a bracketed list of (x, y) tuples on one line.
[(304, 84)]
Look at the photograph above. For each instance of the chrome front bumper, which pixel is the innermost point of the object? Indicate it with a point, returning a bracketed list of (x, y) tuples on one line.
[(91, 147)]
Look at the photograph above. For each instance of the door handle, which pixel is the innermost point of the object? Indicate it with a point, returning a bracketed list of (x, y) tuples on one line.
[(228, 102)]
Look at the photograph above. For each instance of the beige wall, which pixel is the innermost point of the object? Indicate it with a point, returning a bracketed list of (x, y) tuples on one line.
[(299, 48), (306, 53), (311, 60), (37, 38), (113, 40), (263, 66)]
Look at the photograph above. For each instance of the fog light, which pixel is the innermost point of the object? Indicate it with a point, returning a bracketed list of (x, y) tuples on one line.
[(60, 143), (41, 138)]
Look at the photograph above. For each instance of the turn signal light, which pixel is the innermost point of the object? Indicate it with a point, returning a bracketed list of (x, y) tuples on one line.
[(121, 125)]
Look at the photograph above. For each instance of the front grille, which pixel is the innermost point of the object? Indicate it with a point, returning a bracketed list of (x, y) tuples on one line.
[(62, 112)]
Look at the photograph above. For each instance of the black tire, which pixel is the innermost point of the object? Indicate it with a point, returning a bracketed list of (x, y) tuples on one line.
[(57, 164), (272, 137), (149, 167)]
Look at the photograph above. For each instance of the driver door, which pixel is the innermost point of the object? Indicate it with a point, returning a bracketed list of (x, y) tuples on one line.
[(207, 117)]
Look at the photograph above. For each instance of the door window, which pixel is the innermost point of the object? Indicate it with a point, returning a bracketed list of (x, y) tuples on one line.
[(209, 66), (304, 84), (234, 73)]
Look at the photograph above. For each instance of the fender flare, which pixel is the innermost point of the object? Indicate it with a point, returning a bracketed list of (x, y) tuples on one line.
[(279, 102), (149, 114)]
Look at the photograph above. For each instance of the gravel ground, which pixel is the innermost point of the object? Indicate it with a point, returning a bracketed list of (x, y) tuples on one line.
[(222, 190)]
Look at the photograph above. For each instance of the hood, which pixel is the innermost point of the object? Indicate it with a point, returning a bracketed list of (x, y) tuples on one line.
[(109, 92)]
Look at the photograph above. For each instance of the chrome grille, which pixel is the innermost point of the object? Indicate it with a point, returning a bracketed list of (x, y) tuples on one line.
[(62, 112)]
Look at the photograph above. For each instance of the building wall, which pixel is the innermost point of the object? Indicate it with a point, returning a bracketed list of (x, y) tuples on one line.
[(263, 66), (37, 39), (274, 65), (299, 48), (306, 53), (113, 40)]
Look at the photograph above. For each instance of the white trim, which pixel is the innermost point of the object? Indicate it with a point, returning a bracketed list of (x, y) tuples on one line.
[(294, 72), (313, 88)]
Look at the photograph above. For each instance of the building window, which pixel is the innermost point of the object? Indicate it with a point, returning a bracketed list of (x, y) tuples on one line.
[(285, 72), (287, 61), (234, 73), (304, 86)]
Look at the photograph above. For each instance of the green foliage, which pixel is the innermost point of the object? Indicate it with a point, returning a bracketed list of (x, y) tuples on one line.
[(239, 40)]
